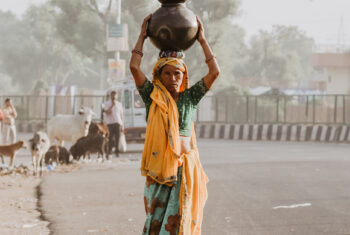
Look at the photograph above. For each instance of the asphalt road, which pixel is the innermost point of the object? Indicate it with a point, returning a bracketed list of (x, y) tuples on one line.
[(255, 188)]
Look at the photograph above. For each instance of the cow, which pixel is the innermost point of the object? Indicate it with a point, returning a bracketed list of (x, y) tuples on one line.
[(39, 145), (70, 127)]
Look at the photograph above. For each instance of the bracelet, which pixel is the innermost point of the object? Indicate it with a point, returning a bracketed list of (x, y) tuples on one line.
[(137, 52), (210, 58)]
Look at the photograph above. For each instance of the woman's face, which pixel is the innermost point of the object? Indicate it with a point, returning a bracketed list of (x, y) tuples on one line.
[(172, 78)]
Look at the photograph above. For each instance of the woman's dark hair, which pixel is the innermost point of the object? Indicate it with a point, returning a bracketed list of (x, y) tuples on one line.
[(7, 100), (159, 72)]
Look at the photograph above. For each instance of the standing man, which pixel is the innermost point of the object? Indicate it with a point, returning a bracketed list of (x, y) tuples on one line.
[(9, 127), (115, 120), (1, 119)]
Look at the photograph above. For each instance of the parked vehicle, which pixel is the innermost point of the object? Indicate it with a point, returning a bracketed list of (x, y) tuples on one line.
[(134, 110)]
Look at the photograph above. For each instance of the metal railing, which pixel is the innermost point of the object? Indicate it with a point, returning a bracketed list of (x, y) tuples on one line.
[(316, 109), (42, 108)]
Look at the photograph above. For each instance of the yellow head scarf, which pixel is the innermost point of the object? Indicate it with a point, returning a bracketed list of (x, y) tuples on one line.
[(176, 62)]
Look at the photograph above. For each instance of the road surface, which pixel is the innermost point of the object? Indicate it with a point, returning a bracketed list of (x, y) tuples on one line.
[(255, 188)]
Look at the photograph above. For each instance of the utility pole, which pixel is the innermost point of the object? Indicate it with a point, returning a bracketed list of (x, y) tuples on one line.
[(118, 21)]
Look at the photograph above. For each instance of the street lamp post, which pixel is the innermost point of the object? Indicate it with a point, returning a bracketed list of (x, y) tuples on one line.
[(118, 21)]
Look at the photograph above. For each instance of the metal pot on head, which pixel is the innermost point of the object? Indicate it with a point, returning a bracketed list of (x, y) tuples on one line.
[(173, 26)]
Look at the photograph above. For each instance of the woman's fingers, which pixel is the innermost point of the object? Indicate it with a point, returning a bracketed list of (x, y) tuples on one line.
[(199, 22), (200, 26), (144, 26), (147, 19)]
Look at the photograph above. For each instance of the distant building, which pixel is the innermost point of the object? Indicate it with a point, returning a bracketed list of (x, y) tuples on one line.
[(332, 72)]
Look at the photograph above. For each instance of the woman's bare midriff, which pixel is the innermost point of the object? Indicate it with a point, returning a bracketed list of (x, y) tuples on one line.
[(185, 144)]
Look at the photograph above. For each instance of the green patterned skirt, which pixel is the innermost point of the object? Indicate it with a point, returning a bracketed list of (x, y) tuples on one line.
[(162, 207)]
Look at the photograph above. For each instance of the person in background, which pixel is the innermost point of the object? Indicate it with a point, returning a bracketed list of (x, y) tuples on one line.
[(1, 118), (115, 121), (9, 127)]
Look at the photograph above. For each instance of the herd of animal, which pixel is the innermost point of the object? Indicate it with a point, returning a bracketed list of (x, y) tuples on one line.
[(88, 138)]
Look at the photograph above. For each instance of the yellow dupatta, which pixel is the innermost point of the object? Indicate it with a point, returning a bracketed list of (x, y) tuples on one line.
[(161, 154)]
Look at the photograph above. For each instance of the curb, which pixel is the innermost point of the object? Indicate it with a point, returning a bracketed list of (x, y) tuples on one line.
[(275, 132)]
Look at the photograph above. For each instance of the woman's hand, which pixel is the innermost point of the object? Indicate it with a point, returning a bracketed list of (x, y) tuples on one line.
[(143, 33), (214, 69), (137, 54), (201, 36)]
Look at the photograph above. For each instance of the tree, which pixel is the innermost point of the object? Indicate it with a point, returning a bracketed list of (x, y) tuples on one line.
[(60, 60), (225, 38), (17, 50), (280, 58), (31, 51), (82, 24)]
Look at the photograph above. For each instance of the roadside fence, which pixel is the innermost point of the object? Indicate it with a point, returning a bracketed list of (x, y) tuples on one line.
[(282, 109)]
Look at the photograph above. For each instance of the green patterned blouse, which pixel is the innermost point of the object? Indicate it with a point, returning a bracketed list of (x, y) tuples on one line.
[(186, 103)]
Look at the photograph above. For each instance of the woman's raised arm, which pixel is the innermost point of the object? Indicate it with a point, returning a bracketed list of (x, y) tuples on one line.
[(213, 66), (137, 54)]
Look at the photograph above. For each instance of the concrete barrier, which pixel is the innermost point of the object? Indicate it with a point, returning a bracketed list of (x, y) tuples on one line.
[(275, 132), (255, 132)]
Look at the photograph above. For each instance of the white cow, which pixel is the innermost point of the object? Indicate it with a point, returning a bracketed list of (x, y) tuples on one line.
[(70, 127), (39, 145)]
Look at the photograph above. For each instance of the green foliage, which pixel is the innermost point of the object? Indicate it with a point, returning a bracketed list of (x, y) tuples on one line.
[(61, 59), (82, 24), (212, 11), (17, 50), (217, 17), (30, 50), (134, 11), (279, 58), (64, 42), (228, 54)]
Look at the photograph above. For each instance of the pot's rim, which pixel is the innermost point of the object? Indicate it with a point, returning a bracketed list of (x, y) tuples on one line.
[(171, 1)]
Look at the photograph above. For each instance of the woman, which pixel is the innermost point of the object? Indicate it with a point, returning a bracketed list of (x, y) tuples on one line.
[(175, 191)]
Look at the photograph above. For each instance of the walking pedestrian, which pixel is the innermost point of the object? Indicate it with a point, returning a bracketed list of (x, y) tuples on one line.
[(115, 121), (175, 190), (1, 119), (9, 126)]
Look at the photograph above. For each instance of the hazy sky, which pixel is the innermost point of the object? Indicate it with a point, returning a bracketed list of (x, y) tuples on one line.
[(320, 19), (17, 6)]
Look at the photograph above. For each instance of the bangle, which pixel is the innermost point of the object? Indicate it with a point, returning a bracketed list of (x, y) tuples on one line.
[(210, 58), (137, 52)]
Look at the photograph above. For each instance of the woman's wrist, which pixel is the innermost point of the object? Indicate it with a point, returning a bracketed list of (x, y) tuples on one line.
[(202, 41), (142, 37), (207, 60), (138, 52)]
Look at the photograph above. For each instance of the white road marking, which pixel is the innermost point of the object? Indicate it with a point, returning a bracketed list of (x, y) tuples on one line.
[(292, 206), (29, 225)]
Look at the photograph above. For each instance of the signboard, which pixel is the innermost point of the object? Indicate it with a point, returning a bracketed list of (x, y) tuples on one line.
[(115, 30), (117, 37), (116, 70)]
